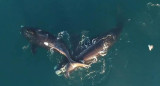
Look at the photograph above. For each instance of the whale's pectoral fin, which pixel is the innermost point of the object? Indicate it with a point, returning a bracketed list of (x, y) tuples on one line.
[(33, 48), (67, 74)]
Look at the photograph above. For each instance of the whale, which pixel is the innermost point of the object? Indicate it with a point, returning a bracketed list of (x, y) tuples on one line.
[(40, 38), (96, 50), (99, 48)]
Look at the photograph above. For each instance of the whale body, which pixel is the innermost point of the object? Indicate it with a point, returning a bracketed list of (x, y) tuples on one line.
[(99, 48)]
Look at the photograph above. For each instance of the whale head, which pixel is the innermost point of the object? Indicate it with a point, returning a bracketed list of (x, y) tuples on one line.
[(34, 34), (28, 33)]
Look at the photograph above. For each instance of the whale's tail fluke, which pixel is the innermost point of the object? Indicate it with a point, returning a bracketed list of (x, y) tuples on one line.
[(71, 66)]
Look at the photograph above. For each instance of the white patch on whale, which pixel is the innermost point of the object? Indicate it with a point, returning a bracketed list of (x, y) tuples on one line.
[(46, 43)]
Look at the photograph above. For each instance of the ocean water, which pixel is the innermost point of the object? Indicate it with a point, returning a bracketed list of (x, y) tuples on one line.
[(128, 63)]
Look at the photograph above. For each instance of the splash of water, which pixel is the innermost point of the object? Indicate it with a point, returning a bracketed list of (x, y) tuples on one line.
[(25, 47), (91, 74), (85, 41), (63, 34)]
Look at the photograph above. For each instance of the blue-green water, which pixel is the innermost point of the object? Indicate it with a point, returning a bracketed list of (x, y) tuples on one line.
[(128, 63)]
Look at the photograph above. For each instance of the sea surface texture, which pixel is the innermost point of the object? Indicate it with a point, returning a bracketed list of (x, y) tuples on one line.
[(134, 60)]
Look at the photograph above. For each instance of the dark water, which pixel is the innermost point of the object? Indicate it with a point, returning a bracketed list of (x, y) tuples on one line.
[(128, 63)]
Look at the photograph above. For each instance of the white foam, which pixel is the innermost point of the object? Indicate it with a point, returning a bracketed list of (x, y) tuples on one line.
[(39, 30), (153, 5), (129, 20), (103, 67), (58, 72), (94, 41), (63, 34), (22, 26), (95, 59), (25, 47), (150, 47)]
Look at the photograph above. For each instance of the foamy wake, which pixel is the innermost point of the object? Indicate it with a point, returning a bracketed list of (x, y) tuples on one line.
[(150, 4), (85, 41), (25, 47), (63, 34)]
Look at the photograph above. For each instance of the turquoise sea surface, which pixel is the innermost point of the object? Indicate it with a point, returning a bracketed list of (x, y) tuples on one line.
[(129, 62)]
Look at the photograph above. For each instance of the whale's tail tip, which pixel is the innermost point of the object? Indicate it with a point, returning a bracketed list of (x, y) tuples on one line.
[(121, 21), (73, 66)]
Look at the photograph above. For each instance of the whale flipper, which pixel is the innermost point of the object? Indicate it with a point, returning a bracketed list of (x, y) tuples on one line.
[(33, 48)]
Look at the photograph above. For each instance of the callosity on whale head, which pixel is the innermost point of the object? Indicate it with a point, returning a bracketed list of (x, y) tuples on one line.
[(28, 33), (33, 34)]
